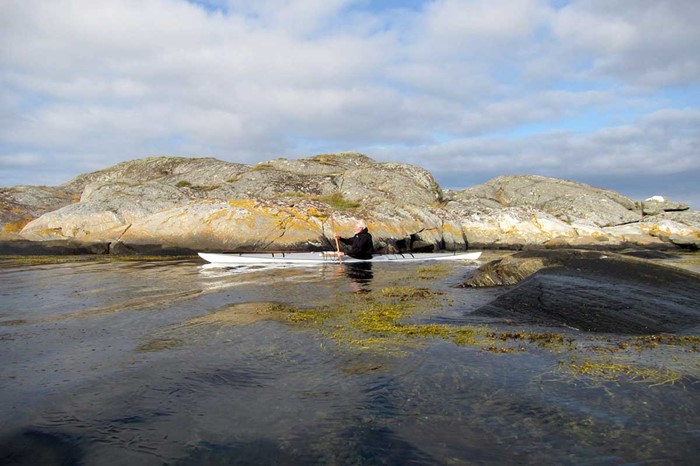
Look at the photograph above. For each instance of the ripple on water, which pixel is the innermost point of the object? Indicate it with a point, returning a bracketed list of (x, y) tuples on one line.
[(205, 379), (201, 381)]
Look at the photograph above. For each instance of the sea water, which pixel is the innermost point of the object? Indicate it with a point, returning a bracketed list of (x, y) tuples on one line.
[(174, 362)]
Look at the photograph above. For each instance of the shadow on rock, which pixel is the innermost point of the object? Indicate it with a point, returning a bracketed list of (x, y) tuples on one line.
[(592, 291)]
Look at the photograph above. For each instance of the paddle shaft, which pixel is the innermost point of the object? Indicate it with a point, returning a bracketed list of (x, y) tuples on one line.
[(337, 244), (269, 251)]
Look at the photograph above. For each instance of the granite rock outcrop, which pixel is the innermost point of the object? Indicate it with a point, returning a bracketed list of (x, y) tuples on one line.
[(209, 204)]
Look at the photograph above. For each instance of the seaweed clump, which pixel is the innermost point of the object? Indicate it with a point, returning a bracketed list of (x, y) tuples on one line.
[(388, 318), (612, 371), (394, 318)]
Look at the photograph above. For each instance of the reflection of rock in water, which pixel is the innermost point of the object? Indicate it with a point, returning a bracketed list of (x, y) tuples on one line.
[(39, 448), (601, 292), (358, 444), (259, 452), (360, 274), (373, 444)]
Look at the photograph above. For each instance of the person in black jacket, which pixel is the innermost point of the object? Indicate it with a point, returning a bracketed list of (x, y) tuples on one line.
[(361, 246)]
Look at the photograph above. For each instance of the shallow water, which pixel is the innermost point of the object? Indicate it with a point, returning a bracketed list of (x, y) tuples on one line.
[(171, 362)]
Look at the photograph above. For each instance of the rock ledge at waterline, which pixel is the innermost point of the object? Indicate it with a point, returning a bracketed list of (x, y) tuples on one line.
[(591, 291), (161, 204)]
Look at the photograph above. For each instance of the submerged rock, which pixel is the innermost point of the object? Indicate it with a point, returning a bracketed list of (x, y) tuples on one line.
[(594, 292)]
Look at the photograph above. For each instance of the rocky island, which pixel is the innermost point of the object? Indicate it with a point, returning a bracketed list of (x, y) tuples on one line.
[(161, 205)]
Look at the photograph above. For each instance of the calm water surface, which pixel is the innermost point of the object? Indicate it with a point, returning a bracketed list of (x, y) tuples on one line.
[(170, 362)]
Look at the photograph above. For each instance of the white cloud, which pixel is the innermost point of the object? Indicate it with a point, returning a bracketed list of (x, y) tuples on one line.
[(489, 85), (456, 26), (19, 160), (645, 42), (298, 17), (661, 143)]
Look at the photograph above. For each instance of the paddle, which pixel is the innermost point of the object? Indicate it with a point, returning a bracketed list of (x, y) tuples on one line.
[(337, 244)]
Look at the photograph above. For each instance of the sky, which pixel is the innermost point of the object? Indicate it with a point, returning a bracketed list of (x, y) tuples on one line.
[(605, 92)]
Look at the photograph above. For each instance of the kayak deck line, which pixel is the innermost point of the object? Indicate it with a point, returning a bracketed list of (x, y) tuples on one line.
[(283, 257)]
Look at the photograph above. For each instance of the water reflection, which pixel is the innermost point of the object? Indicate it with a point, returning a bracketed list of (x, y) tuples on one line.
[(360, 275), (218, 277)]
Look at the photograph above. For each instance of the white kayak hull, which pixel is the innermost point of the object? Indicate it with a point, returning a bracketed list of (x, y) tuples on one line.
[(321, 258)]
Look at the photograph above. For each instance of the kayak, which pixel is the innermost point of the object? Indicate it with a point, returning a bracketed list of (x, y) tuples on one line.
[(326, 257)]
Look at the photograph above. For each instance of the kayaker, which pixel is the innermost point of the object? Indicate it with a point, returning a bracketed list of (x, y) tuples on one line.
[(361, 246)]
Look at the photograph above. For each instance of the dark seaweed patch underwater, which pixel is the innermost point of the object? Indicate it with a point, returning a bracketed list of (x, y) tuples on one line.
[(168, 362)]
